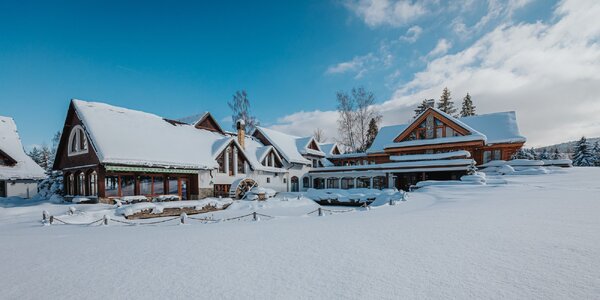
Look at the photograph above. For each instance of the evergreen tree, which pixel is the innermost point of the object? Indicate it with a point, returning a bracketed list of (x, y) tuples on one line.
[(45, 157), (556, 154), (545, 154), (36, 155), (583, 156), (240, 109), (534, 155), (523, 154), (371, 133), (596, 153), (423, 106), (446, 105), (468, 109)]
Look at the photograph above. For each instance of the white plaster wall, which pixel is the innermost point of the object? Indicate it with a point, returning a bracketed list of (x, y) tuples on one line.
[(23, 189)]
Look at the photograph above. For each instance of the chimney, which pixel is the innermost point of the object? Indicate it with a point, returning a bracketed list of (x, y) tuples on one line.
[(241, 132)]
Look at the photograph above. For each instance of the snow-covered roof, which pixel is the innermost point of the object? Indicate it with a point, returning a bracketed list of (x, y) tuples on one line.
[(130, 137), (289, 146), (492, 128), (327, 148), (10, 144), (498, 127)]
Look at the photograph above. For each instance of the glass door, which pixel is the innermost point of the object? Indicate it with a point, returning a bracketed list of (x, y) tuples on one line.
[(2, 188)]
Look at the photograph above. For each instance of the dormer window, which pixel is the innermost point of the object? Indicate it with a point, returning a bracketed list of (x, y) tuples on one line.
[(78, 143)]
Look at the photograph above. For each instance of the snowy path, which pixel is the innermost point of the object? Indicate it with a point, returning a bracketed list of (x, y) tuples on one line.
[(535, 238)]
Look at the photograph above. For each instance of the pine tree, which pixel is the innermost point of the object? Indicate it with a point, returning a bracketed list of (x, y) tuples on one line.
[(556, 154), (468, 109), (36, 155), (596, 153), (371, 133), (583, 156), (534, 155), (523, 154), (45, 157), (545, 154), (446, 105), (423, 106)]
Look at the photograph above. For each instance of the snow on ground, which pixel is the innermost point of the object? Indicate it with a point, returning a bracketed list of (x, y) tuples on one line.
[(536, 237)]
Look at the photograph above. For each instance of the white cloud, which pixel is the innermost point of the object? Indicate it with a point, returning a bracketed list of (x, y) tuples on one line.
[(412, 34), (501, 11), (441, 48), (387, 12), (358, 65), (548, 73)]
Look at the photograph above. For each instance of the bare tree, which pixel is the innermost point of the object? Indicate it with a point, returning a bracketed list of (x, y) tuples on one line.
[(319, 135), (240, 109), (365, 112), (346, 127), (355, 113)]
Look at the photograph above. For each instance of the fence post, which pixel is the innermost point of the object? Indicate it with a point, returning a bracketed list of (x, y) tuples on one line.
[(51, 220), (105, 220), (182, 218), (320, 212), (44, 216), (392, 202), (254, 216)]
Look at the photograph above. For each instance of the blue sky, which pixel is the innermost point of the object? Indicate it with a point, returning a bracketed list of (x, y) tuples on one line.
[(178, 59)]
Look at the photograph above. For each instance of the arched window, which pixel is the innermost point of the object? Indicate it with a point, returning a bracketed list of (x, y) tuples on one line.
[(78, 143), (306, 182), (71, 184), (81, 184), (93, 180)]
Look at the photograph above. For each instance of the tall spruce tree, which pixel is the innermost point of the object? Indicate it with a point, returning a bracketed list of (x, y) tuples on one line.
[(596, 153), (556, 154), (36, 155), (445, 104), (371, 133), (468, 109), (583, 156), (545, 154), (423, 106)]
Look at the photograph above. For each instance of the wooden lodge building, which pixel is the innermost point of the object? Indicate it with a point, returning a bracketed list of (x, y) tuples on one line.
[(108, 152), (434, 146)]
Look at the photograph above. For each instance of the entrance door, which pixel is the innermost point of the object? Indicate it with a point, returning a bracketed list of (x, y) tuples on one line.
[(295, 184), (183, 188), (2, 188)]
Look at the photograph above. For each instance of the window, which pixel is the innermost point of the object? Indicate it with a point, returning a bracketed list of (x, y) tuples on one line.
[(379, 182), (306, 182), (145, 185), (173, 186), (347, 183), (241, 165), (319, 183), (450, 132), (159, 185), (315, 163), (497, 154), (363, 182), (77, 141), (111, 185), (93, 180), (284, 180), (333, 183), (71, 184), (127, 185), (487, 156), (221, 162), (268, 179)]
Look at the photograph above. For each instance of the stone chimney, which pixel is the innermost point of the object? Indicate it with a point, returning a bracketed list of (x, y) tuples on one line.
[(241, 132)]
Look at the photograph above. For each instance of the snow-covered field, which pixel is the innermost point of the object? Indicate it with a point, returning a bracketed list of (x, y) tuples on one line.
[(536, 237)]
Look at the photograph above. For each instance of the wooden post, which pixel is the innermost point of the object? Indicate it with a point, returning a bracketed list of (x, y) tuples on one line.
[(51, 220), (391, 201), (44, 216), (182, 218), (320, 212), (105, 220), (254, 216)]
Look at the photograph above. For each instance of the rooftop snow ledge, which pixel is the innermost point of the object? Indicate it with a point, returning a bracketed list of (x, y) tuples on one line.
[(446, 140), (415, 157)]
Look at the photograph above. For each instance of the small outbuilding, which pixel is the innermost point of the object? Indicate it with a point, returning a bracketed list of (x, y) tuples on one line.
[(19, 174)]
